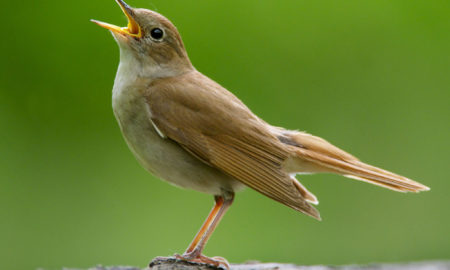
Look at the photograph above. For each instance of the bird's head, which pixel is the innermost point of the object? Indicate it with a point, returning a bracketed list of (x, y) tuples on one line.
[(151, 40)]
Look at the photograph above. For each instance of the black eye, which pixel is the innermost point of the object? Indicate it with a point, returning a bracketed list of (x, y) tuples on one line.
[(157, 33)]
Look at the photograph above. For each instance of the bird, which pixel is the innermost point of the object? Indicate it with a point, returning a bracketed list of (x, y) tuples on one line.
[(188, 130)]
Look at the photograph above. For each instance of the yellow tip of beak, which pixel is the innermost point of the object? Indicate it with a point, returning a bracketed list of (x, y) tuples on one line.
[(111, 27), (132, 29)]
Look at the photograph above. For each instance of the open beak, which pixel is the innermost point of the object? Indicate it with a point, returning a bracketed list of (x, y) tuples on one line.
[(132, 29)]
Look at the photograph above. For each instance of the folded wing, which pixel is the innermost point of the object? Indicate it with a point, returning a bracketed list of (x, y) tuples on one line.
[(225, 134)]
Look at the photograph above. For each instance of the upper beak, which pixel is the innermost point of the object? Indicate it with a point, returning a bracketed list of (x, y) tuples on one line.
[(132, 29)]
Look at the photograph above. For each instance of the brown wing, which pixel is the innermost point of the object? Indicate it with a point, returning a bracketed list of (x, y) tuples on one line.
[(215, 126)]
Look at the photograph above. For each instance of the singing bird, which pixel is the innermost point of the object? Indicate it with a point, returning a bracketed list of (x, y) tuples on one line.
[(188, 130)]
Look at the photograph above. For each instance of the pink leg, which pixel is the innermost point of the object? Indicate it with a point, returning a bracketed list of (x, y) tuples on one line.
[(194, 251)]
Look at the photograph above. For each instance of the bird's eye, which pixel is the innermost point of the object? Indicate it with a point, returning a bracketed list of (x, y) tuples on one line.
[(157, 33)]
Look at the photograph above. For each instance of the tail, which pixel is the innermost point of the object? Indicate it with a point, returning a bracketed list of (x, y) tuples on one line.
[(324, 157)]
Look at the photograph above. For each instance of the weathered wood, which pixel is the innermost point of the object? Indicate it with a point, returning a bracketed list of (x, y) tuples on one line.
[(174, 264)]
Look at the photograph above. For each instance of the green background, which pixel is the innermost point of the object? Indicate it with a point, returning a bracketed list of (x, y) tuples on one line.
[(372, 77)]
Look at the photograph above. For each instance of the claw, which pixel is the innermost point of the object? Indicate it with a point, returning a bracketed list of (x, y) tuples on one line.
[(217, 262)]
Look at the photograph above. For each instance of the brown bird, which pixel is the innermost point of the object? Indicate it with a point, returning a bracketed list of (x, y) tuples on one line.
[(188, 130)]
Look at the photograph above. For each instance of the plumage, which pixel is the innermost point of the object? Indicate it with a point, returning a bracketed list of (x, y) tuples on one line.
[(236, 142), (188, 130), (242, 145)]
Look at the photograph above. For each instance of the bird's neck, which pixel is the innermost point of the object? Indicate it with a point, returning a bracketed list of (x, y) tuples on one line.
[(134, 70), (143, 66)]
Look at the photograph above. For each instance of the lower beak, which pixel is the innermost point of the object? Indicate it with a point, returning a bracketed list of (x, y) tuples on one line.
[(132, 29)]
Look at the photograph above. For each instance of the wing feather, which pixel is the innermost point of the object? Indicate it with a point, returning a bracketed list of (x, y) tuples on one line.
[(224, 134)]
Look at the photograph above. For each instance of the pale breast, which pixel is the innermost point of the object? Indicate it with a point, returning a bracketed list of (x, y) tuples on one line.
[(159, 155)]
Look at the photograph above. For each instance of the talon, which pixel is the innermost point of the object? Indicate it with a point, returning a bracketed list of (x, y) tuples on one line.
[(180, 257), (217, 262)]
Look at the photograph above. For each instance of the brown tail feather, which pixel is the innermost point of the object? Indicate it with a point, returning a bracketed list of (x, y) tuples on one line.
[(361, 171), (389, 186), (322, 156), (309, 197)]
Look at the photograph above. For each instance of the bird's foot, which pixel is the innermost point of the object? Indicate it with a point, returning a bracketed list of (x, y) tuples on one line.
[(187, 259), (191, 259), (200, 259)]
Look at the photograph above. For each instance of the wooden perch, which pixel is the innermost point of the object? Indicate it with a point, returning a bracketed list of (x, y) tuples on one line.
[(174, 264)]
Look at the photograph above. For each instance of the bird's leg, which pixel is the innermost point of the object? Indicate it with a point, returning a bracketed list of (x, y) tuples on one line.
[(194, 251)]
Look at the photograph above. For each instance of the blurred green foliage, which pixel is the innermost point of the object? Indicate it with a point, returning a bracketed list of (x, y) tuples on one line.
[(372, 77)]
